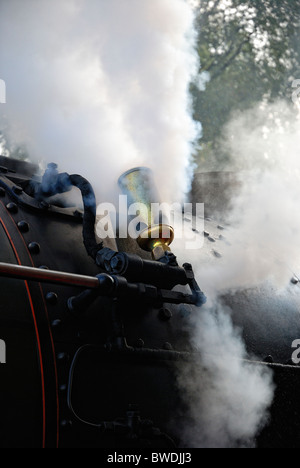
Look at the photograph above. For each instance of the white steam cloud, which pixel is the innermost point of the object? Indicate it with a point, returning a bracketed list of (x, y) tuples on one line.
[(264, 226), (230, 398), (100, 86)]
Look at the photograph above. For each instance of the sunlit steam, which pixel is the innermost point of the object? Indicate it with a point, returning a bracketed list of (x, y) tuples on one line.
[(228, 397), (101, 86), (265, 228), (262, 237)]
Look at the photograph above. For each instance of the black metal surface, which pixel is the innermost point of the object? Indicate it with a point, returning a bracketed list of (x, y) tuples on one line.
[(60, 248), (282, 430), (115, 361), (21, 394), (135, 269), (41, 327)]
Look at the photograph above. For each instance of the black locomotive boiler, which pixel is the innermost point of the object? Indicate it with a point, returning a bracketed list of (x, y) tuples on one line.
[(87, 329), (92, 332)]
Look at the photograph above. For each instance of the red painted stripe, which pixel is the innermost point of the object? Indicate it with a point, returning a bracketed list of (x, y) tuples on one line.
[(36, 331), (55, 368), (51, 339)]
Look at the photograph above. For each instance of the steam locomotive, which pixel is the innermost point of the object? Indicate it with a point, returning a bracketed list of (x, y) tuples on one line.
[(92, 331)]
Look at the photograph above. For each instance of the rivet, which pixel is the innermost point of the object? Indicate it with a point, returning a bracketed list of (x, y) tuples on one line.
[(140, 343), (269, 360), (56, 323), (294, 280), (168, 347), (44, 205), (43, 267), (62, 357), (211, 239), (217, 254), (51, 298), (206, 234), (34, 247), (23, 226), (165, 314), (221, 227), (2, 192), (63, 388), (12, 207), (66, 424)]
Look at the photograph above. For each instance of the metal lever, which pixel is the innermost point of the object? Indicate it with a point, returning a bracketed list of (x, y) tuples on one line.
[(104, 284)]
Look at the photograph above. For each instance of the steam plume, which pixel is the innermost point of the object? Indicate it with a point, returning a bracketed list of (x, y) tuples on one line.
[(264, 228), (101, 86), (229, 399)]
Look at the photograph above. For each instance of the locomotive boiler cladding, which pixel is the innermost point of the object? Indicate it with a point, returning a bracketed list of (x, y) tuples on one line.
[(93, 332), (89, 330)]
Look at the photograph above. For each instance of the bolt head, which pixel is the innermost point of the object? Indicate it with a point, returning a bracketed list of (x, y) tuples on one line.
[(34, 247), (165, 314), (168, 347), (23, 226), (56, 323), (140, 343), (51, 298), (12, 207)]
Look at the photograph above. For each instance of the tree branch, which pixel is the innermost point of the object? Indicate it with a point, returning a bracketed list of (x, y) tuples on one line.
[(229, 61)]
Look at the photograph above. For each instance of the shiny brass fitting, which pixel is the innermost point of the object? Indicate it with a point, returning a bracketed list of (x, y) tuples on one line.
[(156, 239)]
